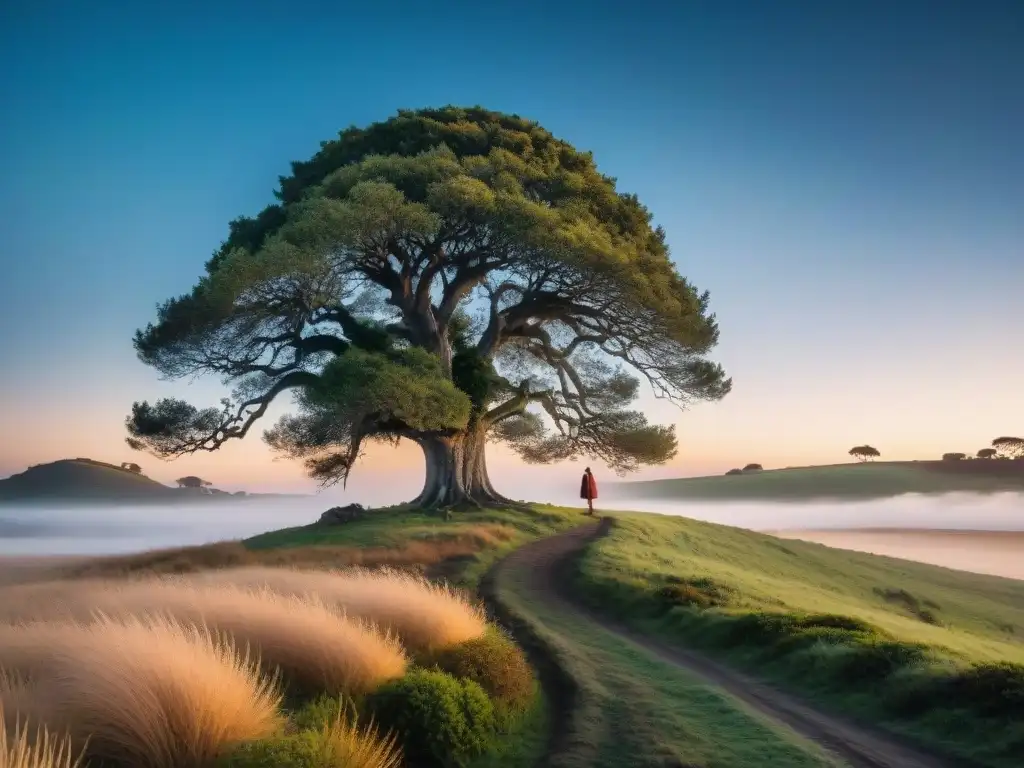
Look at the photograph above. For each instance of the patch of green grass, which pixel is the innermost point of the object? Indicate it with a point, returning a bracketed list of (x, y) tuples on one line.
[(630, 708), (921, 649), (838, 481)]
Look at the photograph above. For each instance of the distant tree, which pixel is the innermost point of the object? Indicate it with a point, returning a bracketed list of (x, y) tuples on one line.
[(864, 452), (753, 468), (191, 481), (987, 453), (1011, 447), (954, 456), (131, 467), (734, 472)]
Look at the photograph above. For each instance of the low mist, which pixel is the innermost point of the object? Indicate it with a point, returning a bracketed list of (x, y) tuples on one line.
[(96, 530)]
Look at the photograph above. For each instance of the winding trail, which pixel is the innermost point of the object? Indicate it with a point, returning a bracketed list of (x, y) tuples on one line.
[(541, 570)]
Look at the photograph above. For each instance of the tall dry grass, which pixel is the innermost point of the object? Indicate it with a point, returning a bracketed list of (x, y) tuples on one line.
[(22, 749), (312, 644), (144, 693), (423, 614)]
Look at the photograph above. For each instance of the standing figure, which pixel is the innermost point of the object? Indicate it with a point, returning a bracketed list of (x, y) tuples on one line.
[(588, 489)]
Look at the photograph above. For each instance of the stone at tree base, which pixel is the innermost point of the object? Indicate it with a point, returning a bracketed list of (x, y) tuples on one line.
[(346, 514)]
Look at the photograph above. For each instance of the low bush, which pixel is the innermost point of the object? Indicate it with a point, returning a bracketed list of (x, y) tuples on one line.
[(339, 744), (994, 689), (440, 720), (697, 592), (496, 663), (320, 712)]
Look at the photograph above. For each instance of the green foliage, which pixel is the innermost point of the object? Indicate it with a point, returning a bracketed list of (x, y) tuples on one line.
[(441, 721), (1011, 447), (300, 750), (407, 386), (496, 663), (474, 374), (697, 592), (320, 713), (371, 259), (864, 452), (398, 394)]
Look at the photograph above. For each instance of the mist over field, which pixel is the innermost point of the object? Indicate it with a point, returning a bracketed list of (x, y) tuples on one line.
[(93, 530)]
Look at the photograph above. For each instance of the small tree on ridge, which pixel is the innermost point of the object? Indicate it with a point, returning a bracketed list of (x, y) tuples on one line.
[(987, 453), (864, 452), (191, 481), (1011, 447)]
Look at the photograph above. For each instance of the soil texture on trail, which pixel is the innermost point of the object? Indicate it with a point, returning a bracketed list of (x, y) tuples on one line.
[(543, 578)]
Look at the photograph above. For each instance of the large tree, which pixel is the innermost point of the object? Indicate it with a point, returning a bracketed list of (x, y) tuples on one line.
[(447, 277)]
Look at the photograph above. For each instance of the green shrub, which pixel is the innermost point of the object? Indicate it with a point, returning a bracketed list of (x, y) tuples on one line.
[(872, 660), (319, 713), (835, 621), (683, 594), (440, 720), (994, 689), (497, 664), (339, 744)]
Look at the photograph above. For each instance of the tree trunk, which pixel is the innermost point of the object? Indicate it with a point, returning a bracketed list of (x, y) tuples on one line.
[(456, 471)]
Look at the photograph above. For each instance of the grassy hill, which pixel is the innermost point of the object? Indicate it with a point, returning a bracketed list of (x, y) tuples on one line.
[(82, 479), (929, 652), (837, 481), (87, 480)]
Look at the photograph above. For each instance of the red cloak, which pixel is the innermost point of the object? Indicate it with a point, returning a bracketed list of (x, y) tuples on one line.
[(588, 487)]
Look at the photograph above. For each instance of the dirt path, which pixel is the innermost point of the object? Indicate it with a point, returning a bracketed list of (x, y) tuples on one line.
[(543, 565)]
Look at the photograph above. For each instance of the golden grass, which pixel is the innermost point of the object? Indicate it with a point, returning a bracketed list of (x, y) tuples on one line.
[(141, 692), (423, 614), (21, 749), (311, 643), (355, 747), (231, 554)]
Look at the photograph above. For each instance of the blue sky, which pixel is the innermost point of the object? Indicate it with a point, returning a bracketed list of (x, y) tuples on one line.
[(847, 181)]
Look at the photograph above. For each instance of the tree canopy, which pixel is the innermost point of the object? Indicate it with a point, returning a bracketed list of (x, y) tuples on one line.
[(191, 481), (446, 276), (864, 452), (954, 456), (1012, 447), (987, 453)]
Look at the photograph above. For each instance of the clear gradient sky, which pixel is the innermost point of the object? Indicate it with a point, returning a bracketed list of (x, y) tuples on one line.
[(846, 178)]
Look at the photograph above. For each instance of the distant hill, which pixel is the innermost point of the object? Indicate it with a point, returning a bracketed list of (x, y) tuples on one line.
[(87, 480), (871, 480)]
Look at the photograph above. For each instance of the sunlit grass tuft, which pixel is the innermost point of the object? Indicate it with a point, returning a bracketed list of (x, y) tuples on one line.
[(22, 749), (423, 614), (145, 693), (339, 743), (313, 645)]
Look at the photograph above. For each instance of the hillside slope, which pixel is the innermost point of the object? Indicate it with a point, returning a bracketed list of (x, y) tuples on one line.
[(837, 481), (930, 653), (82, 479)]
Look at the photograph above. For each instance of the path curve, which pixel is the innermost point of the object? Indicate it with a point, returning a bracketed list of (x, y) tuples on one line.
[(543, 566)]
